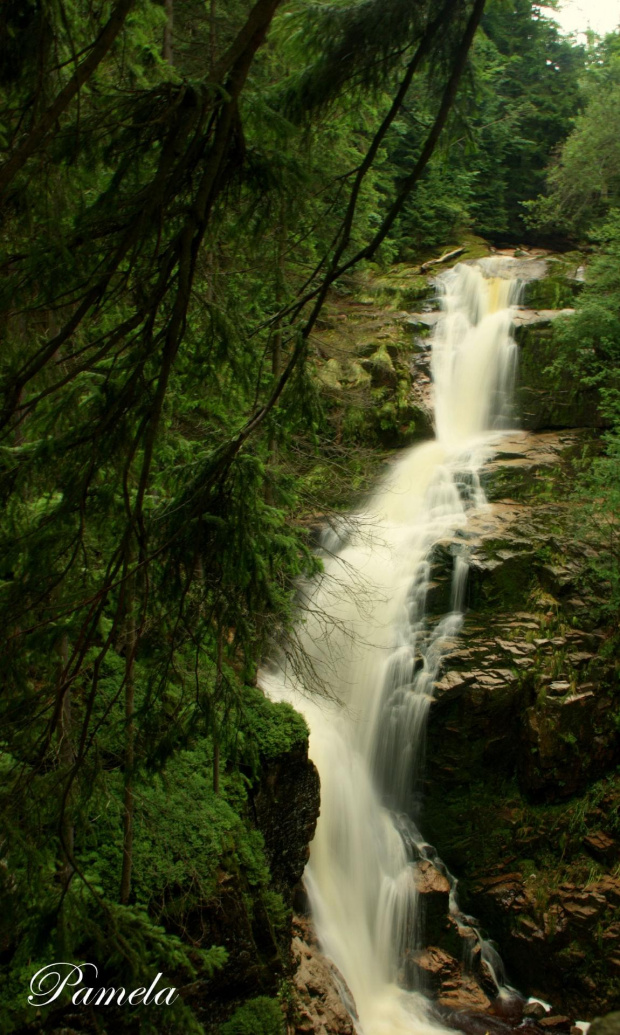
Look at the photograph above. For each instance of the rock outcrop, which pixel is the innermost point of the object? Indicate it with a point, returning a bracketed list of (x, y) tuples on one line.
[(286, 806), (319, 991), (523, 795)]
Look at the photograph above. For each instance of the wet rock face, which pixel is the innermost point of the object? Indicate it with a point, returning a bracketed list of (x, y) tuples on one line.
[(570, 946), (441, 975), (286, 808), (523, 689), (569, 741), (545, 400), (318, 989)]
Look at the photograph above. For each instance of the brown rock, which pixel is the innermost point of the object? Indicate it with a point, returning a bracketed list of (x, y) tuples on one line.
[(578, 698), (434, 967), (429, 880), (316, 987), (580, 658), (535, 1010), (509, 1007), (600, 845), (452, 684), (584, 908), (609, 887), (466, 995), (559, 687), (556, 1023)]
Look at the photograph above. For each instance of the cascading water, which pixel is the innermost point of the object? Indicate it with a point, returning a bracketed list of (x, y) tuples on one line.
[(376, 653)]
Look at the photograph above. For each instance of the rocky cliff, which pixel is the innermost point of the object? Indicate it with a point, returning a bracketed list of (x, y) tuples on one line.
[(522, 791)]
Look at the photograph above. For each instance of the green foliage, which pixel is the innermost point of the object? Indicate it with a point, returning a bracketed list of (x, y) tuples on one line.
[(260, 1016), (274, 729), (516, 108), (584, 179), (588, 347)]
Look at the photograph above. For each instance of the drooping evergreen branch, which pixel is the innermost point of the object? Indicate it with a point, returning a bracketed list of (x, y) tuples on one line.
[(335, 271), (61, 102), (120, 565), (153, 201), (343, 236), (254, 28)]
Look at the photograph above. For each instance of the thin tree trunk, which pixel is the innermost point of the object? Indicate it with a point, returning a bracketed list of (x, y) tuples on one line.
[(66, 758), (212, 35), (169, 32), (276, 351), (130, 733), (215, 727)]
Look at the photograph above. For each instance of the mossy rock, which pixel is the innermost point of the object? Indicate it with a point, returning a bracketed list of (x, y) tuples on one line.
[(517, 482), (380, 368), (340, 376), (551, 293), (609, 1025), (544, 399), (500, 577)]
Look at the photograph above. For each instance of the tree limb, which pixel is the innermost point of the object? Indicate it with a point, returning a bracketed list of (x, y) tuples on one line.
[(83, 72)]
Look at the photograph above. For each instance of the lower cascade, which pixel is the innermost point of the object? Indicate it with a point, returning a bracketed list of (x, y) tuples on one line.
[(372, 655)]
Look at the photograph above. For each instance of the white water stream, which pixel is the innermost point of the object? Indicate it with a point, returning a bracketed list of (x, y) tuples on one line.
[(377, 655)]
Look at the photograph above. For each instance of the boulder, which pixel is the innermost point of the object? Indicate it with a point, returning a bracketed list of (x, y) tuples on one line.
[(608, 1025), (544, 400), (318, 989)]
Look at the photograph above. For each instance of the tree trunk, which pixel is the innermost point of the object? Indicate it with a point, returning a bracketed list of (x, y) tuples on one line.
[(48, 120), (276, 350), (212, 35), (215, 726), (66, 758), (130, 733), (168, 53)]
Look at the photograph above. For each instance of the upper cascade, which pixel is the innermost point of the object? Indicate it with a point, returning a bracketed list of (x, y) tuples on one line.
[(474, 355)]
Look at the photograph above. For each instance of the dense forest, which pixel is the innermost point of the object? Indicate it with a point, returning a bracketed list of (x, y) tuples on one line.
[(194, 198)]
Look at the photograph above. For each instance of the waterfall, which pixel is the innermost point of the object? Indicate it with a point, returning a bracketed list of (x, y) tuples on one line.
[(376, 653)]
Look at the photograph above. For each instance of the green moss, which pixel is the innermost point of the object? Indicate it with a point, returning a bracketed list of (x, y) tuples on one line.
[(184, 836), (260, 1016), (551, 293), (274, 728)]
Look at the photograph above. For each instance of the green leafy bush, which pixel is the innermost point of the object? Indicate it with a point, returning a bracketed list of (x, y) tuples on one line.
[(260, 1016)]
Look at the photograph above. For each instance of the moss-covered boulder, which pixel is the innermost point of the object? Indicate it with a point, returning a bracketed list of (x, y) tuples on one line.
[(546, 397), (609, 1025), (551, 292)]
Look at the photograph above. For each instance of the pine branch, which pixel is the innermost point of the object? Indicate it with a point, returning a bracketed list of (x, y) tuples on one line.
[(81, 75), (336, 271)]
